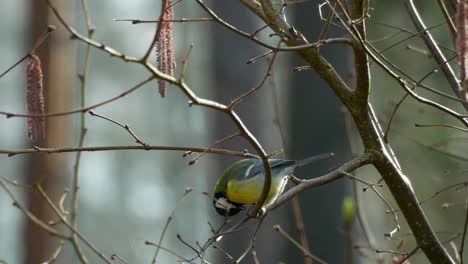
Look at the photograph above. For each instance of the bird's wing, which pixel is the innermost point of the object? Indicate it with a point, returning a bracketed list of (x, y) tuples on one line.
[(277, 166)]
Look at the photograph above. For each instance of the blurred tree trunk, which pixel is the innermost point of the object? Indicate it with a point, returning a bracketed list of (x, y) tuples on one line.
[(50, 171)]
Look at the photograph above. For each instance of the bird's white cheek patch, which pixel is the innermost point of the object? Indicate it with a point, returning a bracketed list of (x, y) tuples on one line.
[(224, 204)]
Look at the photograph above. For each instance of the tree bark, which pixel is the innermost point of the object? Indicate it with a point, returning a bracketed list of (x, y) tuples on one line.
[(49, 170)]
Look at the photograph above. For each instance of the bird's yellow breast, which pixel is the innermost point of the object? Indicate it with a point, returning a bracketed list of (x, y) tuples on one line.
[(248, 192)]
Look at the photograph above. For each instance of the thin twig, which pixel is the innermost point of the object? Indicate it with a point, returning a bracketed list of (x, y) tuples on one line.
[(157, 34), (456, 186), (448, 17), (197, 252), (27, 187), (61, 207), (46, 33), (29, 214), (185, 63), (255, 257), (168, 250), (433, 47), (126, 127), (393, 252), (411, 36), (181, 20), (453, 245), (252, 241), (13, 152), (83, 109), (443, 125), (368, 184), (278, 229), (391, 210), (115, 256), (225, 253), (325, 27), (169, 219), (56, 253), (411, 253), (271, 21), (83, 132), (254, 59), (257, 87), (212, 146), (215, 236), (389, 125), (462, 244), (434, 147), (101, 255)]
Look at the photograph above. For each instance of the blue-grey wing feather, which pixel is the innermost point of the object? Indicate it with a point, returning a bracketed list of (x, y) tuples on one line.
[(278, 167)]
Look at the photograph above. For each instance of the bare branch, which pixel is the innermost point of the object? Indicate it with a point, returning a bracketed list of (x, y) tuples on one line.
[(329, 177), (46, 33), (462, 244), (83, 109), (12, 152), (126, 127), (306, 252), (169, 219), (435, 50), (182, 20), (30, 215)]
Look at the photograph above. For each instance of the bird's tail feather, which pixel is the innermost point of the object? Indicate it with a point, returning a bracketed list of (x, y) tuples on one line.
[(314, 158)]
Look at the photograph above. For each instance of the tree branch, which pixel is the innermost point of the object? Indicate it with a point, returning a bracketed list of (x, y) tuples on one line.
[(13, 152), (434, 48), (336, 174), (361, 61), (372, 137)]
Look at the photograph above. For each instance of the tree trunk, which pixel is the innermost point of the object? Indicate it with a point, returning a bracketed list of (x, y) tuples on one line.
[(50, 171)]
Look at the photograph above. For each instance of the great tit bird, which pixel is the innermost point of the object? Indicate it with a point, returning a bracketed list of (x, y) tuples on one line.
[(242, 183)]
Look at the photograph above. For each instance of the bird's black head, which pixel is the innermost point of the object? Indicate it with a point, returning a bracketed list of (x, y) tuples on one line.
[(225, 207)]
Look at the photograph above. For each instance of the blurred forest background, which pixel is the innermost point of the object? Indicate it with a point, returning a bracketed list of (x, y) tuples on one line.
[(127, 196)]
